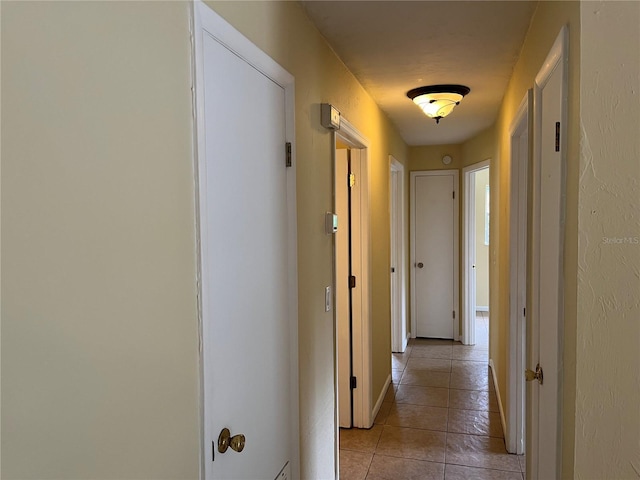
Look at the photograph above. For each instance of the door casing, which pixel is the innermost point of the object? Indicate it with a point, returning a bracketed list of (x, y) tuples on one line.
[(361, 353), (520, 146), (545, 289), (399, 337)]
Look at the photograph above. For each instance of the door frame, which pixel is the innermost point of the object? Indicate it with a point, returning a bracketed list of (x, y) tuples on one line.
[(361, 349), (456, 250), (206, 22), (468, 336), (520, 127), (398, 222), (557, 58)]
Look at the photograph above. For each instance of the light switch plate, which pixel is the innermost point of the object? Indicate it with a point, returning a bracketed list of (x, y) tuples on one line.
[(330, 223), (327, 299)]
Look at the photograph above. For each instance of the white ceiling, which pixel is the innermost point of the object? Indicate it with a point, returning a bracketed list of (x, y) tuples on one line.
[(394, 46)]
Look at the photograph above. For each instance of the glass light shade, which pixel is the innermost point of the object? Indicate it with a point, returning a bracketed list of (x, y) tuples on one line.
[(437, 105)]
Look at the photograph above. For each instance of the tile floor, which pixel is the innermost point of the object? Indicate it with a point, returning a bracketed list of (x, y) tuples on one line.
[(439, 420)]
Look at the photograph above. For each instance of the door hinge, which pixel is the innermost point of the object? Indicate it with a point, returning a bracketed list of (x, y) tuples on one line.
[(557, 136), (354, 382), (393, 270), (351, 179), (213, 451), (288, 153), (352, 281), (454, 314), (454, 194), (524, 312)]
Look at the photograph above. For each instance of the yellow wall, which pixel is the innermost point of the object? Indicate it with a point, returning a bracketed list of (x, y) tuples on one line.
[(479, 148), (545, 26), (607, 430), (99, 324)]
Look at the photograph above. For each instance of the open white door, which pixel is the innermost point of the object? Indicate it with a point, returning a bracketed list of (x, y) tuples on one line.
[(360, 294), (342, 294), (247, 234), (550, 99)]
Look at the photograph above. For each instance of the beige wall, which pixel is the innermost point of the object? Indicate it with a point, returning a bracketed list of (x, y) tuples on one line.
[(99, 332), (482, 250), (99, 324), (607, 417), (545, 26)]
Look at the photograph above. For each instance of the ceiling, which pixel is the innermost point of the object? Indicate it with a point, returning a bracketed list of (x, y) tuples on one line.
[(394, 46)]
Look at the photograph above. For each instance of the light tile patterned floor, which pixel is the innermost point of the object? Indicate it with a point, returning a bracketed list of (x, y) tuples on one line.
[(440, 419)]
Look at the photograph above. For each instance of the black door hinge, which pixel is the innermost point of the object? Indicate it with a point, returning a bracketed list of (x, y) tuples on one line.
[(454, 194), (352, 281), (354, 382), (524, 312), (213, 451), (288, 153), (557, 136)]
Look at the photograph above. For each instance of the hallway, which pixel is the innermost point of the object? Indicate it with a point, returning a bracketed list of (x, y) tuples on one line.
[(440, 419)]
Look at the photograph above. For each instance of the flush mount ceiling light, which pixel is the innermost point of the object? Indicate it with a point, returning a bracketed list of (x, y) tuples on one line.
[(437, 101)]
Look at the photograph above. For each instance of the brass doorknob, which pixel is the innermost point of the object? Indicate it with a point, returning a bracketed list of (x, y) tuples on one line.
[(530, 375), (225, 440)]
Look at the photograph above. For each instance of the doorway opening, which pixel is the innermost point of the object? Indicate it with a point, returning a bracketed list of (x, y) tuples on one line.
[(352, 280), (475, 327), (399, 328)]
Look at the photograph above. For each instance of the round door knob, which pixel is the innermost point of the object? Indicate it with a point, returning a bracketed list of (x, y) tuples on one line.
[(419, 264), (225, 440)]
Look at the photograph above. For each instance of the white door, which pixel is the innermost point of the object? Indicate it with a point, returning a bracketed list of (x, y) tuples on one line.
[(246, 269), (435, 253), (547, 274), (519, 133), (398, 315), (343, 301)]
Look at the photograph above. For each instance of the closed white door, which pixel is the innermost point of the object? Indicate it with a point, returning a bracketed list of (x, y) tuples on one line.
[(246, 268), (434, 253)]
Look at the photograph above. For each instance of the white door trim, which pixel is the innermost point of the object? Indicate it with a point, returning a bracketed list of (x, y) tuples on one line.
[(557, 58), (456, 255), (399, 336), (468, 336), (206, 22), (361, 325), (518, 273)]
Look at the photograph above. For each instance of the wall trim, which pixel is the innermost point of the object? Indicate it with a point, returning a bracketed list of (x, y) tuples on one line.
[(495, 386), (376, 407)]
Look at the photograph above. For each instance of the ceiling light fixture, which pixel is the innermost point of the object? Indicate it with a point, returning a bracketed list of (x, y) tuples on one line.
[(437, 101)]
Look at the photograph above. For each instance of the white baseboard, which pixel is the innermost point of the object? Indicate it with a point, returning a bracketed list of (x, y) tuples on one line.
[(503, 419), (376, 407), (482, 309)]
